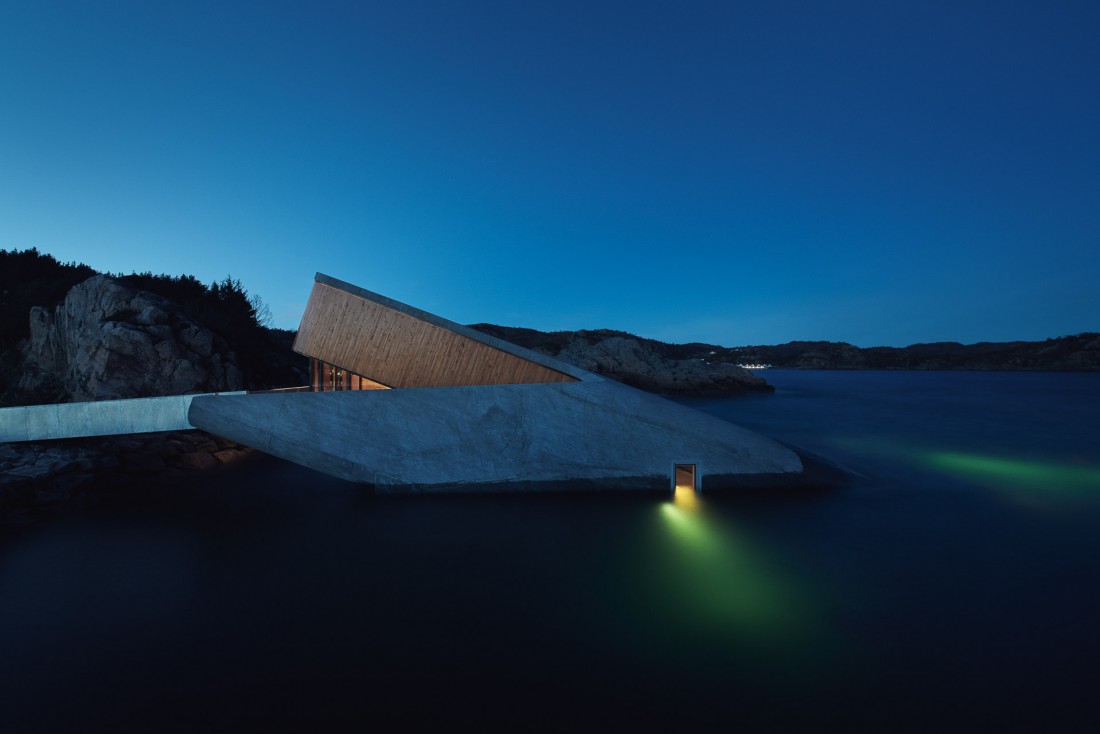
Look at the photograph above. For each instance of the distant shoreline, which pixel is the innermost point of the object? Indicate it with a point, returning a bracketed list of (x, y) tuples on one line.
[(919, 369), (1076, 353)]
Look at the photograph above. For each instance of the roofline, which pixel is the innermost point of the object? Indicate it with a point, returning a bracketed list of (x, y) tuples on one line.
[(490, 341)]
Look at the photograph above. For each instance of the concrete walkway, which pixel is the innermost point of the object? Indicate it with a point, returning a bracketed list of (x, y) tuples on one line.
[(99, 418)]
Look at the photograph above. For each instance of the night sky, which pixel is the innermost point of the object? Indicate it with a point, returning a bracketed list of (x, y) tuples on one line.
[(735, 172)]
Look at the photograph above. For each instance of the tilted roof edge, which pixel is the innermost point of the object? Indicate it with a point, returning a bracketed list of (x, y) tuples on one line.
[(491, 341)]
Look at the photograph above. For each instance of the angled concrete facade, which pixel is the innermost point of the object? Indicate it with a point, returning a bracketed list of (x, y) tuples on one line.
[(408, 401), (468, 412), (585, 435)]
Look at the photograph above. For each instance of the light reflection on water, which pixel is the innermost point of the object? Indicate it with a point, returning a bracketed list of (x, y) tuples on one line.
[(1037, 482), (894, 603), (721, 587), (685, 497), (1030, 438), (1013, 474)]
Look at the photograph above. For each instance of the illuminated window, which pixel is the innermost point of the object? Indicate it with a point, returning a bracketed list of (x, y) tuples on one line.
[(325, 377), (683, 477), (685, 486)]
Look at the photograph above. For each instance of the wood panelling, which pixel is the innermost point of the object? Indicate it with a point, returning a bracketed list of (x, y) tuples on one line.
[(399, 350)]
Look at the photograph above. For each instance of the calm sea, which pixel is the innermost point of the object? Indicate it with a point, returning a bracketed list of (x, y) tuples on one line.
[(955, 587)]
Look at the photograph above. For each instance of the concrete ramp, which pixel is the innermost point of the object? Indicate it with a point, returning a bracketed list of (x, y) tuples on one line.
[(99, 418), (582, 435)]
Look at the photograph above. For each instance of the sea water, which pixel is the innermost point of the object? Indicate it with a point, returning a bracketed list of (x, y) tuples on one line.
[(954, 586)]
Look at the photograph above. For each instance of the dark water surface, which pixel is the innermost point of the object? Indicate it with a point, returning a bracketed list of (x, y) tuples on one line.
[(956, 588)]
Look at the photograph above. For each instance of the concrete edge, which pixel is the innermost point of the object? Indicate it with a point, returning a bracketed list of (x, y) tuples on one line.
[(55, 421)]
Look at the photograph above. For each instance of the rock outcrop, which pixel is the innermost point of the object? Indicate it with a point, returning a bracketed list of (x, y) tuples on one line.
[(630, 362), (642, 363), (106, 340)]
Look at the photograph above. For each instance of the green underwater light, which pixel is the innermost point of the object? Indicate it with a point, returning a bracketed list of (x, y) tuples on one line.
[(1024, 479), (1017, 472), (718, 582)]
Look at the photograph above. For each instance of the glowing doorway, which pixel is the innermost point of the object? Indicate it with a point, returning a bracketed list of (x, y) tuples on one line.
[(684, 484)]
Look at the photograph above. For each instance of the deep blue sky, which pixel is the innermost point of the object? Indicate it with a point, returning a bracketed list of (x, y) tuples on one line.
[(737, 172)]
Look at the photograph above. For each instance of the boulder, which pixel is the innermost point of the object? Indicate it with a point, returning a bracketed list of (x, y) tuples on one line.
[(107, 340), (227, 456)]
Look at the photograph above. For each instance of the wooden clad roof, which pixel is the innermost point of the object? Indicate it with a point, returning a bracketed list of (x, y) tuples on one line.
[(401, 347)]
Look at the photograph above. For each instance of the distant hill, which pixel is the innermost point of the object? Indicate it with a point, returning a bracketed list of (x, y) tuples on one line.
[(1077, 352), (1080, 352), (642, 363)]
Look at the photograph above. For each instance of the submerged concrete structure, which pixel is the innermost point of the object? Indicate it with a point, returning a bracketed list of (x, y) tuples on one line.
[(407, 401)]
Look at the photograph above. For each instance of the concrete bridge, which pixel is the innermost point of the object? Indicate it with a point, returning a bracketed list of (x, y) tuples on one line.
[(99, 418)]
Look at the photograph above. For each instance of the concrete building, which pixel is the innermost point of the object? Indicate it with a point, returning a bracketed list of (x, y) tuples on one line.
[(409, 402)]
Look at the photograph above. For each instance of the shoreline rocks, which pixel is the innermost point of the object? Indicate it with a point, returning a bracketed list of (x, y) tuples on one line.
[(41, 476)]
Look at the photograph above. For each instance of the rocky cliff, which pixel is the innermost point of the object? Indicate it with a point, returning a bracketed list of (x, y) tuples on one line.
[(107, 340), (642, 363)]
